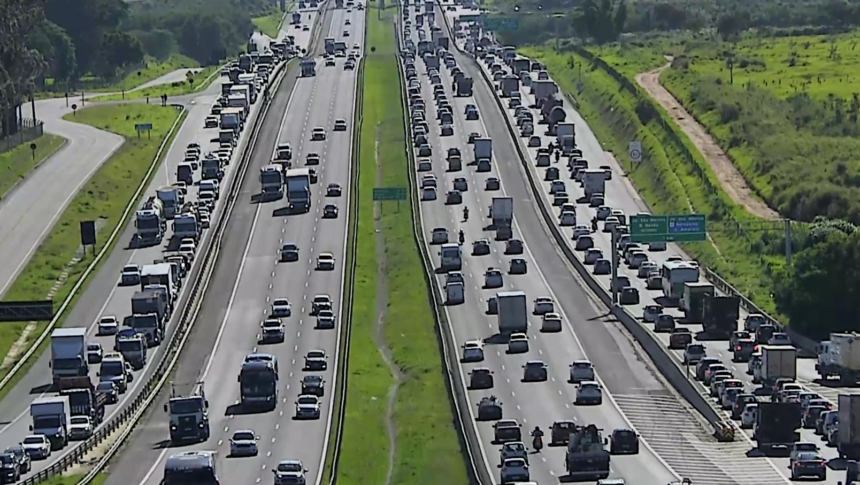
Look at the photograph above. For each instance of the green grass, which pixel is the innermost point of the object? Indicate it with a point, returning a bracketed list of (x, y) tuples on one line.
[(427, 449), (103, 197), (197, 82), (18, 162), (270, 24), (676, 179), (74, 479)]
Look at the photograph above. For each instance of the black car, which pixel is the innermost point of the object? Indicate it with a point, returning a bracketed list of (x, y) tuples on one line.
[(11, 468), (21, 457), (314, 385), (110, 391), (624, 441)]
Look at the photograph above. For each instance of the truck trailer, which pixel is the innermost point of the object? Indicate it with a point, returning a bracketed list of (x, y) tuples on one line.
[(840, 357), (68, 354), (512, 312)]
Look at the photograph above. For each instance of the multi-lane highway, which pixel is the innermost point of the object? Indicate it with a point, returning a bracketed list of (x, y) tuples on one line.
[(104, 296), (250, 276), (621, 195)]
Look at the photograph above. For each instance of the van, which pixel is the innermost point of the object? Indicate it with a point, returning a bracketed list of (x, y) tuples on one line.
[(211, 185)]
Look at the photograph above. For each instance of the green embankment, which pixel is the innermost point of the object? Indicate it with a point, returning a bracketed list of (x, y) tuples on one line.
[(675, 178), (195, 81), (103, 198), (426, 445), (269, 24), (18, 162)]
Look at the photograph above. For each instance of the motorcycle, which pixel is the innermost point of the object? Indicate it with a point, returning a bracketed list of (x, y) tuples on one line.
[(537, 443), (465, 214), (462, 237), (594, 225)]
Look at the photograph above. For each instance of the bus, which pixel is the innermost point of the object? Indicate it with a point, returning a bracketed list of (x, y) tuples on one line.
[(674, 274), (258, 382), (191, 468)]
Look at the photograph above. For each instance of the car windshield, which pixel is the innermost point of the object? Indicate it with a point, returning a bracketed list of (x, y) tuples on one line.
[(316, 354), (33, 440), (289, 467), (7, 459), (105, 387), (244, 436), (307, 400), (80, 420), (518, 462), (312, 379), (94, 347), (281, 303)]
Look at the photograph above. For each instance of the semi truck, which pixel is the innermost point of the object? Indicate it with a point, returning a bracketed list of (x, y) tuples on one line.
[(189, 415), (211, 168), (272, 182), (848, 435), (840, 357), (502, 217), (593, 182), (171, 199), (329, 46), (149, 312), (565, 137), (483, 149), (692, 303), (51, 418), (512, 312), (777, 361), (83, 399), (258, 384), (134, 350), (150, 222), (298, 182), (463, 86), (586, 457), (309, 67), (776, 425), (185, 225), (68, 354), (721, 316)]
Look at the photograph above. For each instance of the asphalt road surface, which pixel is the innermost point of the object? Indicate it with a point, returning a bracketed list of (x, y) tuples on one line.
[(104, 296), (250, 276)]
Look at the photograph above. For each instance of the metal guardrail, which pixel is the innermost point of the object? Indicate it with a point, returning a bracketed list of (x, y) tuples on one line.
[(469, 440), (134, 411), (133, 203)]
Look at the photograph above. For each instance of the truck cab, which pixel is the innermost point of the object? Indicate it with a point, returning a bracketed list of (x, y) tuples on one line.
[(189, 416), (134, 350)]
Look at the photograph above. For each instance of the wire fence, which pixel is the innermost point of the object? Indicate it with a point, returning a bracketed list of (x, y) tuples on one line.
[(27, 131)]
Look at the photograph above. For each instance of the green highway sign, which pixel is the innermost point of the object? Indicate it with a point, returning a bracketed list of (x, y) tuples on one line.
[(389, 193), (143, 126), (501, 23), (673, 228)]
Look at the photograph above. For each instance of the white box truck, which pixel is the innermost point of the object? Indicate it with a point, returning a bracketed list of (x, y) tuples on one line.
[(51, 418), (777, 361), (512, 312), (848, 437), (840, 357), (69, 353)]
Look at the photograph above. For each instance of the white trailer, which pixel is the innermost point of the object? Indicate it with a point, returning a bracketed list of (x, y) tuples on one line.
[(840, 357)]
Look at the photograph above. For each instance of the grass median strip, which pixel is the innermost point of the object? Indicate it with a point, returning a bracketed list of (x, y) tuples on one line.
[(103, 198), (398, 427), (269, 24), (73, 479), (18, 162), (196, 82)]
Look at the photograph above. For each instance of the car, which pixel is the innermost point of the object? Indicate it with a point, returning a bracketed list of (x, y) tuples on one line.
[(535, 371), (472, 114), (543, 304), (551, 322), (313, 385), (108, 325), (807, 464), (629, 296), (779, 338), (493, 278), (325, 261), (664, 323), (453, 197), (349, 65), (325, 319), (518, 343), (693, 353), (461, 184), (473, 351), (281, 307), (534, 141), (513, 449), (312, 159), (272, 331), (318, 133), (492, 183), (205, 221), (447, 130), (340, 124), (589, 392), (439, 236), (567, 218), (346, 33), (480, 247), (110, 390), (37, 446), (810, 416), (518, 266), (651, 312), (22, 459), (623, 441), (514, 470), (333, 190), (506, 431), (581, 230), (514, 246), (428, 193), (210, 122), (290, 472), (329, 61), (80, 428), (592, 255), (130, 275), (584, 242), (473, 136), (424, 150), (289, 252), (306, 28), (330, 211), (581, 371), (481, 378), (557, 186), (307, 407), (11, 469), (647, 268), (244, 443), (94, 352), (321, 303), (347, 22), (602, 267), (749, 416)]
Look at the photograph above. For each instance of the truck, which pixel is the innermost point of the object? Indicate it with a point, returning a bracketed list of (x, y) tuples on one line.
[(83, 399), (171, 199), (428, 6), (185, 173), (483, 149), (150, 222), (776, 425), (298, 182), (431, 61), (502, 217), (246, 63), (68, 354), (309, 67), (160, 275), (510, 84), (247, 91), (189, 415), (542, 90), (463, 86), (230, 121), (840, 357), (272, 182), (329, 46), (237, 101), (296, 18), (586, 457), (721, 316), (777, 361), (565, 137), (848, 435), (185, 225), (211, 168), (512, 312), (593, 182), (521, 64), (134, 350), (149, 312), (51, 418), (692, 303), (258, 384), (338, 3)]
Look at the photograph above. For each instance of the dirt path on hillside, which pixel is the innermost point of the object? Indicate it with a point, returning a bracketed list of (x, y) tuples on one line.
[(730, 178)]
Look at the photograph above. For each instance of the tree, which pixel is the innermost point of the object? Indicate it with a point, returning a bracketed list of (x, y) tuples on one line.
[(57, 49), (158, 43), (20, 65), (86, 22), (604, 21)]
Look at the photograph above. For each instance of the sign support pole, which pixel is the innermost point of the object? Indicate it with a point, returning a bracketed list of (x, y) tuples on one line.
[(614, 281)]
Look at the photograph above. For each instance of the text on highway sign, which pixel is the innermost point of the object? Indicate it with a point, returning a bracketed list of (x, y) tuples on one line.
[(672, 228), (389, 193)]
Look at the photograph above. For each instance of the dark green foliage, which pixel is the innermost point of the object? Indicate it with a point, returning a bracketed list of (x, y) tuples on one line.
[(20, 64)]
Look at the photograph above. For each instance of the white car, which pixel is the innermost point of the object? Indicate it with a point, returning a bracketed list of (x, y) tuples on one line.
[(284, 151), (318, 133), (428, 180), (340, 125), (325, 261), (316, 360), (325, 319), (551, 322), (581, 371), (244, 443), (779, 338), (589, 392), (581, 231), (130, 275), (473, 351), (272, 330), (108, 325), (281, 307), (592, 255), (693, 353), (802, 447), (320, 303), (37, 446), (518, 343), (514, 470), (543, 304), (493, 278), (567, 218), (646, 269), (749, 416), (428, 193), (440, 235), (187, 250), (308, 407), (651, 313), (80, 428), (513, 449), (290, 472)]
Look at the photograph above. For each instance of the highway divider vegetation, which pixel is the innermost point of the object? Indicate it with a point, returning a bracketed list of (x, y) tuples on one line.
[(103, 198), (18, 162), (399, 425)]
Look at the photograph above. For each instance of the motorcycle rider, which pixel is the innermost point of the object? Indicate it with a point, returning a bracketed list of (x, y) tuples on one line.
[(557, 156), (594, 224), (462, 237), (465, 214), (537, 438)]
